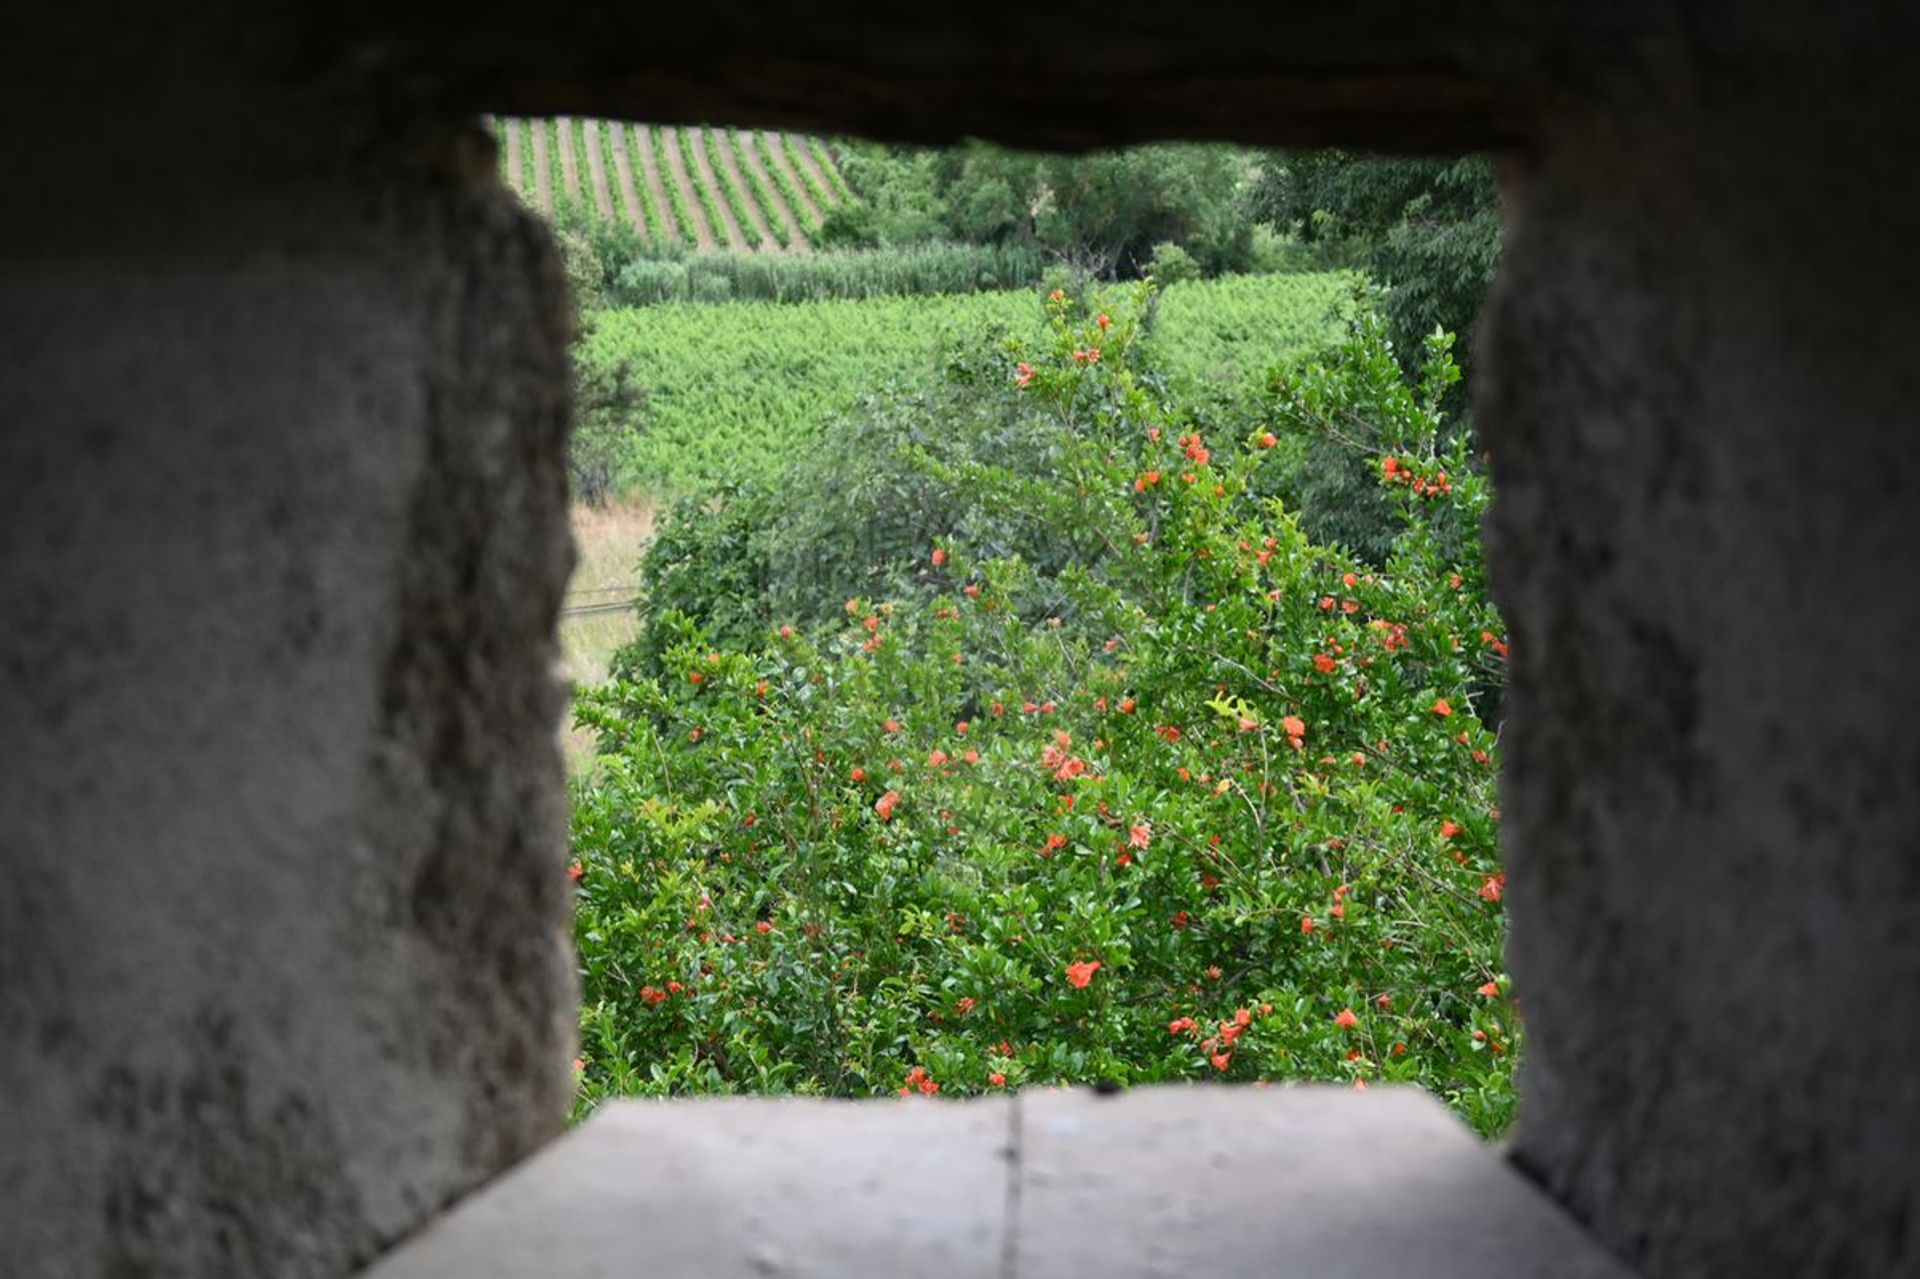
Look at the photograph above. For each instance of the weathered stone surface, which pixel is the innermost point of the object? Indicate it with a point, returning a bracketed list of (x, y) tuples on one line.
[(1286, 1181), (739, 1188), (1311, 1181), (283, 964), (1700, 394)]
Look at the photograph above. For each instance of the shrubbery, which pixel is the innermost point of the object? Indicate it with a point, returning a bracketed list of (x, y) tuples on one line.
[(608, 264), (1118, 776)]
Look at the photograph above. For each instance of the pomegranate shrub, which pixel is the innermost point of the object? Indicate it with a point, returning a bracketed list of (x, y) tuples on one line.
[(1210, 801)]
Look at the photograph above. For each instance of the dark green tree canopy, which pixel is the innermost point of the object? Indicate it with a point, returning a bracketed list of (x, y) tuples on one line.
[(1426, 229)]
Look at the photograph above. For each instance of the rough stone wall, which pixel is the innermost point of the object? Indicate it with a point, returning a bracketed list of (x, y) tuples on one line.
[(283, 964), (1700, 390)]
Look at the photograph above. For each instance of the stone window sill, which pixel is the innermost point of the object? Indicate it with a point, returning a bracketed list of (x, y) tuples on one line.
[(1165, 1181)]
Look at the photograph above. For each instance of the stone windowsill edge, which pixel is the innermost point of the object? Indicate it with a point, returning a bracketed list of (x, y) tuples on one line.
[(1308, 1181)]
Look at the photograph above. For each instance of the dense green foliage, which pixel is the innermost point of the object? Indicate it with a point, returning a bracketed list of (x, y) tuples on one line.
[(734, 391), (1123, 779), (1102, 213), (630, 273), (1427, 230)]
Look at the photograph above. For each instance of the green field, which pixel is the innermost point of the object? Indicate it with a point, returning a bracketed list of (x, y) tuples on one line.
[(740, 190), (733, 389)]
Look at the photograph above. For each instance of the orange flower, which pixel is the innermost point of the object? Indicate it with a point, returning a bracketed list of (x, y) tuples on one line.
[(1140, 835), (1493, 888), (939, 556), (1243, 1017), (786, 632), (964, 1006), (885, 804), (1293, 726), (1306, 924), (891, 726), (1490, 989), (857, 774), (1385, 1001), (936, 758), (997, 1079), (1442, 707), (1268, 440), (1345, 1019), (1179, 1025), (1078, 975), (576, 872), (1324, 664), (1221, 1060)]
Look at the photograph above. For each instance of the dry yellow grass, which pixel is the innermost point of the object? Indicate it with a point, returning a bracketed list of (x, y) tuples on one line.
[(609, 541)]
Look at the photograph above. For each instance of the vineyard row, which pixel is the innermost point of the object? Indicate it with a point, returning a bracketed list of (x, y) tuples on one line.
[(707, 189)]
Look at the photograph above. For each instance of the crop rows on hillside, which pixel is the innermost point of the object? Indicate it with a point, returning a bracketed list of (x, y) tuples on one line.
[(732, 390), (714, 189)]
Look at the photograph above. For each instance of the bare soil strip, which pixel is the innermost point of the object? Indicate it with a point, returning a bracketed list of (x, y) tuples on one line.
[(569, 163), (804, 154), (623, 174), (777, 155), (749, 152), (597, 169), (676, 165), (542, 168), (512, 174), (736, 238), (657, 189), (722, 143)]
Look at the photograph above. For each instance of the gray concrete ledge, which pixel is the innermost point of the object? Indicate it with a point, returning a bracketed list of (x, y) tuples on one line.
[(1164, 1181)]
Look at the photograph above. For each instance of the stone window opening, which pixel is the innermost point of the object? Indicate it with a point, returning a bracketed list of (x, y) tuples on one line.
[(282, 968)]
